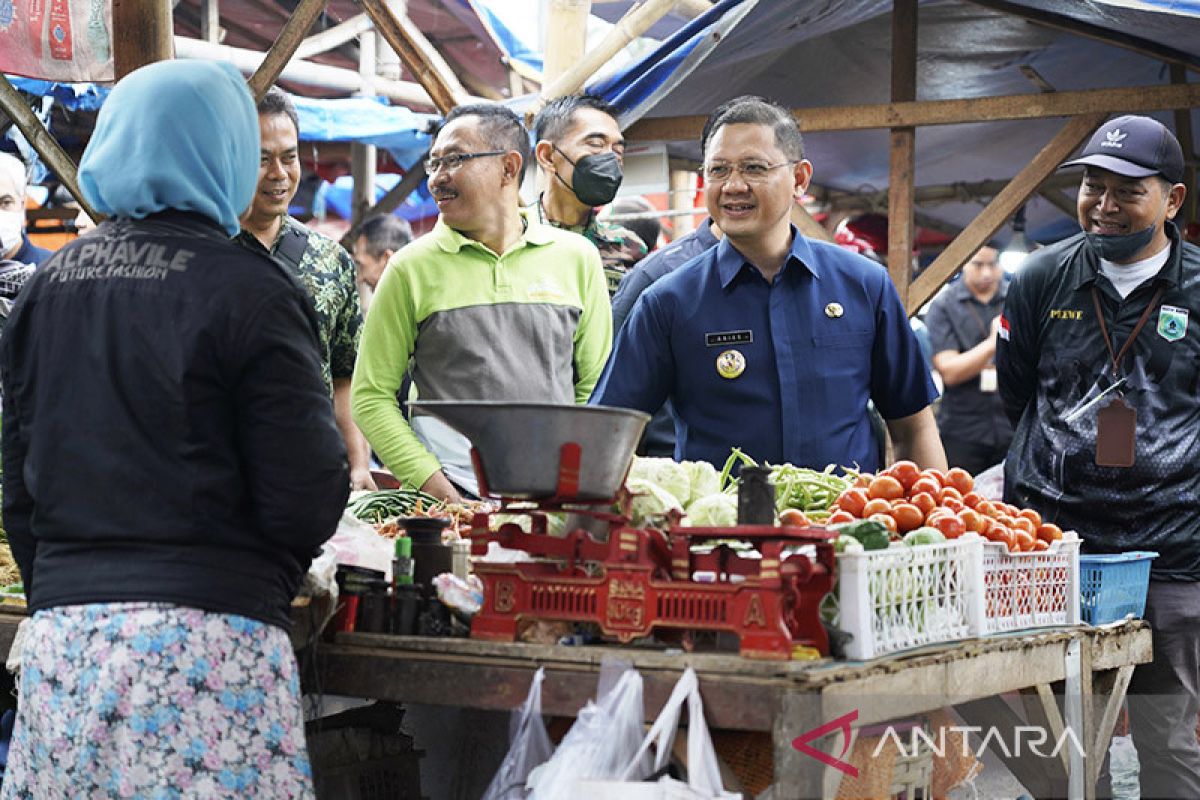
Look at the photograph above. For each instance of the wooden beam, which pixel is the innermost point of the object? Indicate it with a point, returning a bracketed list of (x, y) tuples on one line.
[(51, 153), (281, 52), (1130, 100), (336, 36), (1003, 206), (808, 226), (142, 34), (418, 55), (636, 21), (1186, 137), (902, 154), (566, 37), (1060, 201), (1098, 33), (962, 192), (210, 21), (390, 201)]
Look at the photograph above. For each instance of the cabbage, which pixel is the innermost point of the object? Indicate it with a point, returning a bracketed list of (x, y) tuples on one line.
[(713, 511), (650, 503), (703, 480), (665, 473)]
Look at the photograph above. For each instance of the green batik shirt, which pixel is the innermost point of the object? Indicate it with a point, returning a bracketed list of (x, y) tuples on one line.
[(620, 248), (327, 272)]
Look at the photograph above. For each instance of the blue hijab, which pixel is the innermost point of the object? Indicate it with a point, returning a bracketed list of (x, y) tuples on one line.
[(175, 134)]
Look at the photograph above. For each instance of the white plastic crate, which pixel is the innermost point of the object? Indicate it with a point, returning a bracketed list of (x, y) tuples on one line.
[(1029, 590), (905, 597)]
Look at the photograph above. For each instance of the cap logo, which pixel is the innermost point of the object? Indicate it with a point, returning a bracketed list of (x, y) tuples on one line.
[(1114, 138)]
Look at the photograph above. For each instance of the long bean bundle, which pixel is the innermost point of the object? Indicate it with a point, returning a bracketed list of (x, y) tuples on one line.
[(380, 506)]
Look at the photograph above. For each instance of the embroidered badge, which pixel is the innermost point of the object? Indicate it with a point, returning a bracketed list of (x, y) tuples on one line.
[(1172, 323)]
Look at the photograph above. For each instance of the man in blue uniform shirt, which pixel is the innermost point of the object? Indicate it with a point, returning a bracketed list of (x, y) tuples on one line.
[(768, 341)]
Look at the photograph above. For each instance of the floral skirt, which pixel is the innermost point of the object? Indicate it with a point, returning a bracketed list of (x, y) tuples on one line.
[(154, 701)]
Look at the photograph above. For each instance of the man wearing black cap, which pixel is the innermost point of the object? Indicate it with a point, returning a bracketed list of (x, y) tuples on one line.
[(1100, 372)]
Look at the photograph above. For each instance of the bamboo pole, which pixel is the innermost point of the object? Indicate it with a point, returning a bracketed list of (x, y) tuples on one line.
[(362, 156), (43, 143), (683, 190), (333, 37), (418, 55), (210, 21), (142, 31), (636, 22), (902, 160), (281, 52), (566, 36)]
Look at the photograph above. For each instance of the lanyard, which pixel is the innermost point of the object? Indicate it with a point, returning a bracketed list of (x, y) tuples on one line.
[(1115, 356), (983, 327)]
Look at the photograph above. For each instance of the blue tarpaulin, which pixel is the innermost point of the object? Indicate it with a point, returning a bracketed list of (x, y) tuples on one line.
[(336, 197)]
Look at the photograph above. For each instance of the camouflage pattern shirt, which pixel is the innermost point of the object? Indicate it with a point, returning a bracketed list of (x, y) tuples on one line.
[(326, 271), (620, 248)]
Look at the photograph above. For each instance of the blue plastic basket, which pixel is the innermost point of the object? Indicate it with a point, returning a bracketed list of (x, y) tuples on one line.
[(1113, 586)]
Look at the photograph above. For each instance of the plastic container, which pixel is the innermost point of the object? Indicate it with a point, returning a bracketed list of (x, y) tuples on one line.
[(1113, 586), (904, 597), (1029, 590)]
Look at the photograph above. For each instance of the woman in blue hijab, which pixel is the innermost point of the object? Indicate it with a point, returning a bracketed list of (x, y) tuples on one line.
[(171, 464)]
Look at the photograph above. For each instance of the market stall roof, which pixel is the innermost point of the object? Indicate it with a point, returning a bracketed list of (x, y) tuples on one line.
[(822, 53)]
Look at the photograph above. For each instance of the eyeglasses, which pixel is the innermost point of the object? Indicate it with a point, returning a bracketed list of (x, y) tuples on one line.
[(751, 171), (456, 160)]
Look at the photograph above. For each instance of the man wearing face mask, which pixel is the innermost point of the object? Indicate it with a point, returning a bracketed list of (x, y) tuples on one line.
[(579, 148), (1098, 365), (14, 243)]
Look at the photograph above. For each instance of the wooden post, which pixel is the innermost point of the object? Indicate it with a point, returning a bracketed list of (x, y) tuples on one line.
[(1183, 132), (903, 147), (1003, 206), (392, 200), (15, 108), (142, 34), (362, 156), (415, 51), (566, 36), (683, 193), (289, 39), (210, 21)]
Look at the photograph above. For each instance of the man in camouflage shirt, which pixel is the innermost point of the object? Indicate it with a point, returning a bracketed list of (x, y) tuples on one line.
[(323, 267), (580, 149)]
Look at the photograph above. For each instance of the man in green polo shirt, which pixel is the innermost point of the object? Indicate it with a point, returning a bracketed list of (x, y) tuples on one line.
[(489, 305)]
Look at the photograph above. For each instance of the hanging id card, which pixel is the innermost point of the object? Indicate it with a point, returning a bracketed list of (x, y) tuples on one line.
[(1116, 434), (987, 380)]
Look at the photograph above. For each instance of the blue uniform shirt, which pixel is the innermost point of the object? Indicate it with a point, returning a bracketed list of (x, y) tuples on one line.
[(825, 336)]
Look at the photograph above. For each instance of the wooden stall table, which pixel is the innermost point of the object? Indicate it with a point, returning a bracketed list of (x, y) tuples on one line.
[(788, 699)]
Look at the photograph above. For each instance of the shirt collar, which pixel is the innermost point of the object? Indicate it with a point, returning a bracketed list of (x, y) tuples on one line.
[(731, 263), (451, 241), (1087, 267), (963, 294)]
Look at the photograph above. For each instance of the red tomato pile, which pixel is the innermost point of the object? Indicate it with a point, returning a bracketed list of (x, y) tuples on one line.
[(904, 498)]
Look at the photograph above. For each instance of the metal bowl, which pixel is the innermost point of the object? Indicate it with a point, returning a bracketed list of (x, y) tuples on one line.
[(531, 450)]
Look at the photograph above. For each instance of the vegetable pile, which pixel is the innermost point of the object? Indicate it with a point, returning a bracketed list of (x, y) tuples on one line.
[(905, 499)]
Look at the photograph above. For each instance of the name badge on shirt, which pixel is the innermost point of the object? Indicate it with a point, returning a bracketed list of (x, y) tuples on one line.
[(726, 338), (987, 380), (1172, 323)]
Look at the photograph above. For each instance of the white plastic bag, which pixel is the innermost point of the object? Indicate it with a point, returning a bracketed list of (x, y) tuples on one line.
[(357, 544), (602, 744), (529, 746), (704, 775)]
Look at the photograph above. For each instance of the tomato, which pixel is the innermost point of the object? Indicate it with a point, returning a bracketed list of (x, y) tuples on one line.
[(953, 504), (1048, 532), (936, 475), (794, 517), (924, 501), (950, 491), (960, 479), (925, 486), (1031, 515), (950, 525), (908, 517), (985, 524), (1023, 540), (863, 480), (886, 520), (838, 517), (876, 506), (1023, 524), (1004, 535), (985, 507), (906, 472), (853, 500), (971, 499), (1040, 546), (971, 520), (887, 487)]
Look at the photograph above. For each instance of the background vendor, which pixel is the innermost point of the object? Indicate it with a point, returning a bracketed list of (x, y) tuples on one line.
[(14, 241), (769, 341)]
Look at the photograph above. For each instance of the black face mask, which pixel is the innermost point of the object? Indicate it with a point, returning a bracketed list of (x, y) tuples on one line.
[(1119, 248), (596, 179)]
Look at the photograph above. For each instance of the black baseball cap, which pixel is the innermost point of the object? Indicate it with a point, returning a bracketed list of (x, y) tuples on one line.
[(1135, 147)]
